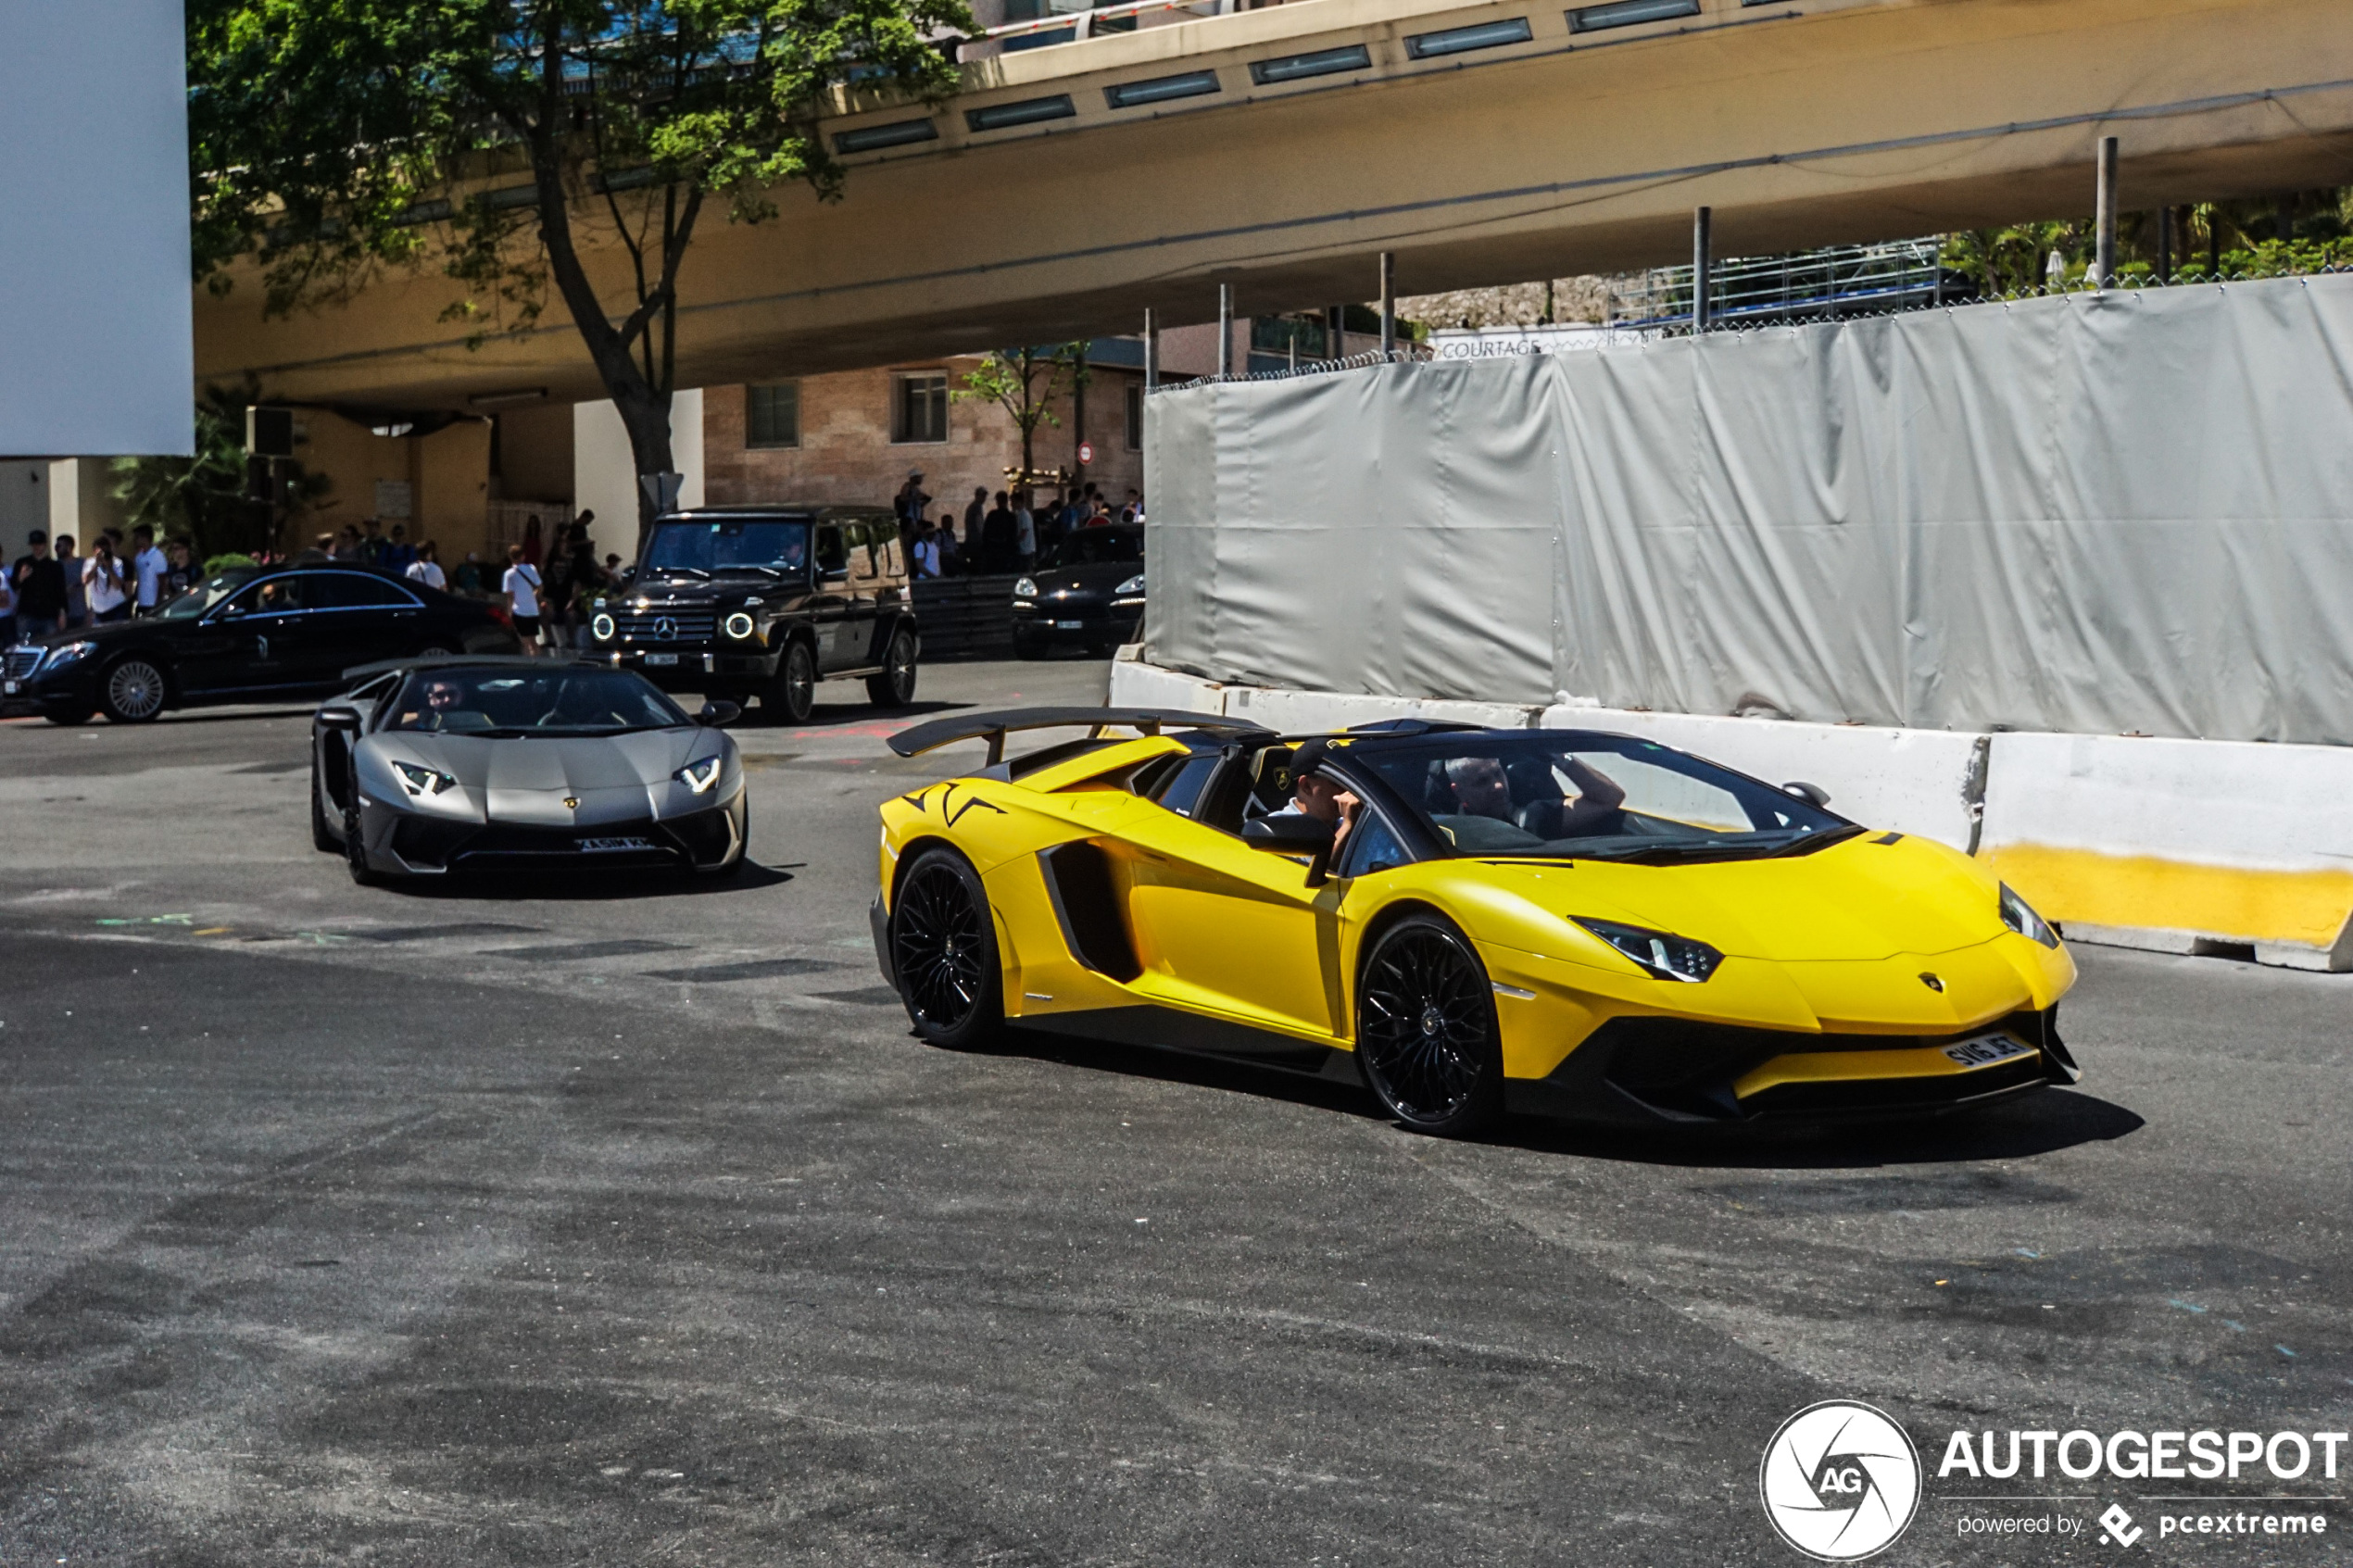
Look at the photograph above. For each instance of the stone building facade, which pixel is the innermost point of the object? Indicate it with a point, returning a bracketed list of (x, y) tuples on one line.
[(853, 437)]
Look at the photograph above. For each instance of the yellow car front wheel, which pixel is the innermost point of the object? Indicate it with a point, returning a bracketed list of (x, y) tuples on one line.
[(1426, 1036)]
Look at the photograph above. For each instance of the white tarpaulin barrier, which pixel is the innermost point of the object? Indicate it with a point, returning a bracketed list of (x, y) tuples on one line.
[(2129, 512)]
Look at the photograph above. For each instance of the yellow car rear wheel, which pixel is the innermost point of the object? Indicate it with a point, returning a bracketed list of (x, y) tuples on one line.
[(1426, 1036), (943, 947)]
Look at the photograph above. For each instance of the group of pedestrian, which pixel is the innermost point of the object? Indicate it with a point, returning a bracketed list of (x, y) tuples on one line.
[(58, 589), (1008, 533), (550, 604)]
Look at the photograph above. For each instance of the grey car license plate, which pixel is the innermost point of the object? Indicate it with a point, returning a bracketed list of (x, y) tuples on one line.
[(661, 658), (613, 845), (1986, 1049), (1068, 625)]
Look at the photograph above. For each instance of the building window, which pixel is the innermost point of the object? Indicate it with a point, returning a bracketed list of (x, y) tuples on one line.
[(1135, 416), (920, 408), (772, 415)]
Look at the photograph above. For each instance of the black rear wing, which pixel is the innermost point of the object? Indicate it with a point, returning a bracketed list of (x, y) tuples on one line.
[(995, 727)]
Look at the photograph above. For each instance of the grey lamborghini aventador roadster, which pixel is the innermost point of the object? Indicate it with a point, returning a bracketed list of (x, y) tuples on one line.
[(446, 763)]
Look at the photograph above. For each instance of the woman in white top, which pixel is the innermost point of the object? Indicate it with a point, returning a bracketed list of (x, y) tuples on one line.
[(102, 583), (521, 587), (426, 570)]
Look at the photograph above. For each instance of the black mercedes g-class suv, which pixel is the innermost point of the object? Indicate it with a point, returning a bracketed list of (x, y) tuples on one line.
[(764, 602)]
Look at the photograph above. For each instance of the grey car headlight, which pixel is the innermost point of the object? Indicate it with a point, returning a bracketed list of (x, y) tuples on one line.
[(1656, 952), (701, 777), (421, 781), (2019, 917), (602, 627)]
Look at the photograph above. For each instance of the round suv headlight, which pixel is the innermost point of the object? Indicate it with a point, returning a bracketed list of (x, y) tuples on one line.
[(602, 627), (739, 626)]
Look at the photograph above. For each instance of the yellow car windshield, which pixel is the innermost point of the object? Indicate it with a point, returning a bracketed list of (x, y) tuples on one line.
[(1587, 796)]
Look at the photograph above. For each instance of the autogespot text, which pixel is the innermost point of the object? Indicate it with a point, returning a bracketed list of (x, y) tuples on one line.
[(2144, 1456)]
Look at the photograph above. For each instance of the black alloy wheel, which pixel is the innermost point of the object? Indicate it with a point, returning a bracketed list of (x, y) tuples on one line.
[(894, 687), (133, 692), (322, 838), (355, 844), (943, 946), (792, 696), (1425, 1032)]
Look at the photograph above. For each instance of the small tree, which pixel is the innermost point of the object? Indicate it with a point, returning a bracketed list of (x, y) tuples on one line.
[(1009, 377), (332, 138)]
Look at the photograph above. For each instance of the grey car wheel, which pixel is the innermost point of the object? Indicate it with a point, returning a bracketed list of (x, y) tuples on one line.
[(133, 691)]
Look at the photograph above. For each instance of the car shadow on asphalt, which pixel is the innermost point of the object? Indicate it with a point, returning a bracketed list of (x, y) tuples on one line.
[(2043, 1123), (583, 886)]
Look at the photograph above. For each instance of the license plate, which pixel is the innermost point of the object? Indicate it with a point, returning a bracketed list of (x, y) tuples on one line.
[(1986, 1049), (661, 658), (1068, 625), (613, 845)]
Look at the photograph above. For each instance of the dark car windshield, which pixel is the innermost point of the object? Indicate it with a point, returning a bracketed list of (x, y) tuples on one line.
[(1574, 794), (1098, 546), (203, 596), (738, 545), (562, 700)]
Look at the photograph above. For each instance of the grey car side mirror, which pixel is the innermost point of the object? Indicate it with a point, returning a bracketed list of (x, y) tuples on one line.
[(718, 714), (1811, 793), (339, 716)]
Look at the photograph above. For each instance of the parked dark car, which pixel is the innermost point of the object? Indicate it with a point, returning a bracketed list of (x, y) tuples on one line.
[(744, 602), (254, 635), (1088, 591)]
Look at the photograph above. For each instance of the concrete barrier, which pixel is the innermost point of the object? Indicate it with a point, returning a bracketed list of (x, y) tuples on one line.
[(1925, 781), (1135, 683), (2182, 845), (1290, 712)]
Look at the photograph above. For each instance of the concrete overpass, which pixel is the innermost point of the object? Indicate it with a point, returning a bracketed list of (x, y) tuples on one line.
[(1068, 188)]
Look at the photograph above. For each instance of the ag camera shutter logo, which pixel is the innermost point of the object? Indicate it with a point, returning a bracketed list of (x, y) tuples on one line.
[(1841, 1481)]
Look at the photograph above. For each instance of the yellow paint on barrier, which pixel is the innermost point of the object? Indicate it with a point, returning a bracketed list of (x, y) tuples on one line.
[(2308, 907)]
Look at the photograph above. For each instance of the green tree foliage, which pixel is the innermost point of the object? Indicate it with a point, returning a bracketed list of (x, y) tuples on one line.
[(499, 140), (2305, 232), (208, 498), (1009, 378)]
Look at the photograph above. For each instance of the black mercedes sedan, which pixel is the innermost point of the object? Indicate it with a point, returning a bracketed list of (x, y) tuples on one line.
[(1088, 591), (254, 635)]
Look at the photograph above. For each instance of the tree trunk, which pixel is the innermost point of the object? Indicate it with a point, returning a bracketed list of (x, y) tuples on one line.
[(645, 414)]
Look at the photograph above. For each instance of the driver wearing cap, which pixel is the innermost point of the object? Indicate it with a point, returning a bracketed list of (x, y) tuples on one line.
[(1316, 794)]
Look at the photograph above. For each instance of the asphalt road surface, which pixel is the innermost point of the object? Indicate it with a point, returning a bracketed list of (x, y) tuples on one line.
[(627, 1224)]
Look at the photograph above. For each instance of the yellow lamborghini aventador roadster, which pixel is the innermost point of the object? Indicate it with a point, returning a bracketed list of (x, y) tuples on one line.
[(1571, 922)]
